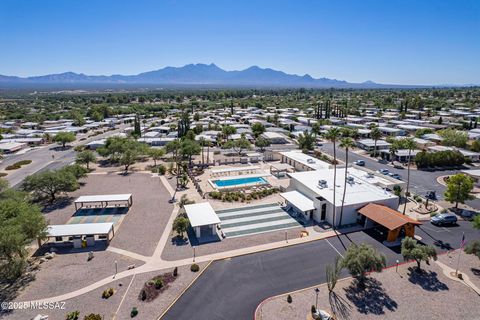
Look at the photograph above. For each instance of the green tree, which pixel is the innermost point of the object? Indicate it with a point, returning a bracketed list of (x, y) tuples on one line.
[(459, 187), (180, 225), (257, 129), (77, 118), (412, 250), (475, 146), (452, 137), (473, 248), (333, 273), (137, 130), (21, 222), (228, 131), (410, 145), (262, 143), (63, 138), (124, 151), (360, 259), (239, 145), (156, 154), (316, 129), (306, 141), (397, 190), (86, 157), (476, 222), (375, 134), (50, 183), (333, 135), (189, 148), (347, 144)]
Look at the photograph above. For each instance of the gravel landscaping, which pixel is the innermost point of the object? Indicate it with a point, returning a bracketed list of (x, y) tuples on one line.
[(176, 251), (72, 271), (389, 295), (92, 302)]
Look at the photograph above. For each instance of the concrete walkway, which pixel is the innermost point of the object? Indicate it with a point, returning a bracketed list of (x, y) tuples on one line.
[(155, 262), (449, 272)]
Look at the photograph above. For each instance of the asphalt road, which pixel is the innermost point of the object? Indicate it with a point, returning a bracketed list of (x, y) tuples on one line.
[(232, 288), (42, 158), (420, 181)]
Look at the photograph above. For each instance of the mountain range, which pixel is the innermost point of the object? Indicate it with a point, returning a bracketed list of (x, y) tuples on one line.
[(208, 75)]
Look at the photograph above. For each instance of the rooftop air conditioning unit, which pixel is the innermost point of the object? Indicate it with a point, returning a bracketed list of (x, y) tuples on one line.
[(350, 180), (310, 161), (322, 183)]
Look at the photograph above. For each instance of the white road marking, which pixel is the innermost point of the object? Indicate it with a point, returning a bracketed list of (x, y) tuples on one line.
[(331, 245)]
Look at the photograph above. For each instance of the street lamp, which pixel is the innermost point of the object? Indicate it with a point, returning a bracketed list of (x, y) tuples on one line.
[(193, 253), (116, 269), (317, 291), (396, 267), (286, 237)]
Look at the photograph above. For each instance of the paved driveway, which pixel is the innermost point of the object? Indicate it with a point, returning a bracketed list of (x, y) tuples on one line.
[(232, 289)]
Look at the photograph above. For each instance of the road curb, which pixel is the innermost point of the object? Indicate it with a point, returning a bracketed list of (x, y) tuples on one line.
[(324, 283), (185, 290)]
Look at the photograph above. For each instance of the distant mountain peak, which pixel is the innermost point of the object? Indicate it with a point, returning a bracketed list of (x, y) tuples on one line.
[(191, 74)]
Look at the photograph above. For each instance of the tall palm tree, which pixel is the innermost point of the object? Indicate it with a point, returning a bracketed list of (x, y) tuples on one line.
[(333, 135), (202, 145), (347, 144), (409, 144), (375, 134)]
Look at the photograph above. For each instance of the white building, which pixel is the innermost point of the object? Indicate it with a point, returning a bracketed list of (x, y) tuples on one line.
[(317, 186), (303, 162)]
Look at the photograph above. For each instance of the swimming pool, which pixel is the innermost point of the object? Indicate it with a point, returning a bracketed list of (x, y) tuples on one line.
[(239, 182)]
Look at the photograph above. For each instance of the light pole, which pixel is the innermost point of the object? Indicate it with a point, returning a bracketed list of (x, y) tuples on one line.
[(116, 269), (286, 237), (317, 291), (396, 267), (193, 253)]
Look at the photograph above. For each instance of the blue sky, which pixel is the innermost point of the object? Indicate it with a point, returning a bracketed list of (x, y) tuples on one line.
[(407, 42)]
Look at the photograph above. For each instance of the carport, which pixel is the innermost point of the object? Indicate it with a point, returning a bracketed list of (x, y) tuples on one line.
[(104, 201), (203, 219), (391, 219), (81, 234), (299, 203)]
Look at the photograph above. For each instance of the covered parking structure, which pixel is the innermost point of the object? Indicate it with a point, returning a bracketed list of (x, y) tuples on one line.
[(104, 201), (81, 234), (203, 220), (281, 169), (300, 204), (391, 219)]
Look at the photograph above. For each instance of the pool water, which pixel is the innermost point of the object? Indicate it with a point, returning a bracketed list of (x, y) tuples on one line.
[(239, 182)]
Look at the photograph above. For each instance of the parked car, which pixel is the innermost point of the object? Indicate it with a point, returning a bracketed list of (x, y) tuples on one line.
[(384, 171), (444, 219), (360, 163), (468, 214), (395, 176)]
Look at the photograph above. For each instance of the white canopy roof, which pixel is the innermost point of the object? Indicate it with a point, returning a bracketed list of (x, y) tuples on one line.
[(300, 201), (103, 198), (201, 214), (64, 230)]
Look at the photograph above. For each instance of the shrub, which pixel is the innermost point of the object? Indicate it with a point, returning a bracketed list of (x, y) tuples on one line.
[(107, 293), (73, 315), (158, 283), (162, 170), (3, 174), (134, 312), (175, 272), (143, 295), (194, 267), (93, 316), (289, 299)]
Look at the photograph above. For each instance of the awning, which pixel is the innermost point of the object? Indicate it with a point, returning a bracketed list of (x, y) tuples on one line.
[(104, 198), (298, 200), (201, 214), (387, 217), (80, 229)]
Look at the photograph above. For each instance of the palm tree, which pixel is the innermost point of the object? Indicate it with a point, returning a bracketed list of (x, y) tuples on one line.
[(202, 145), (333, 135), (393, 151), (409, 144), (347, 144), (375, 134)]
